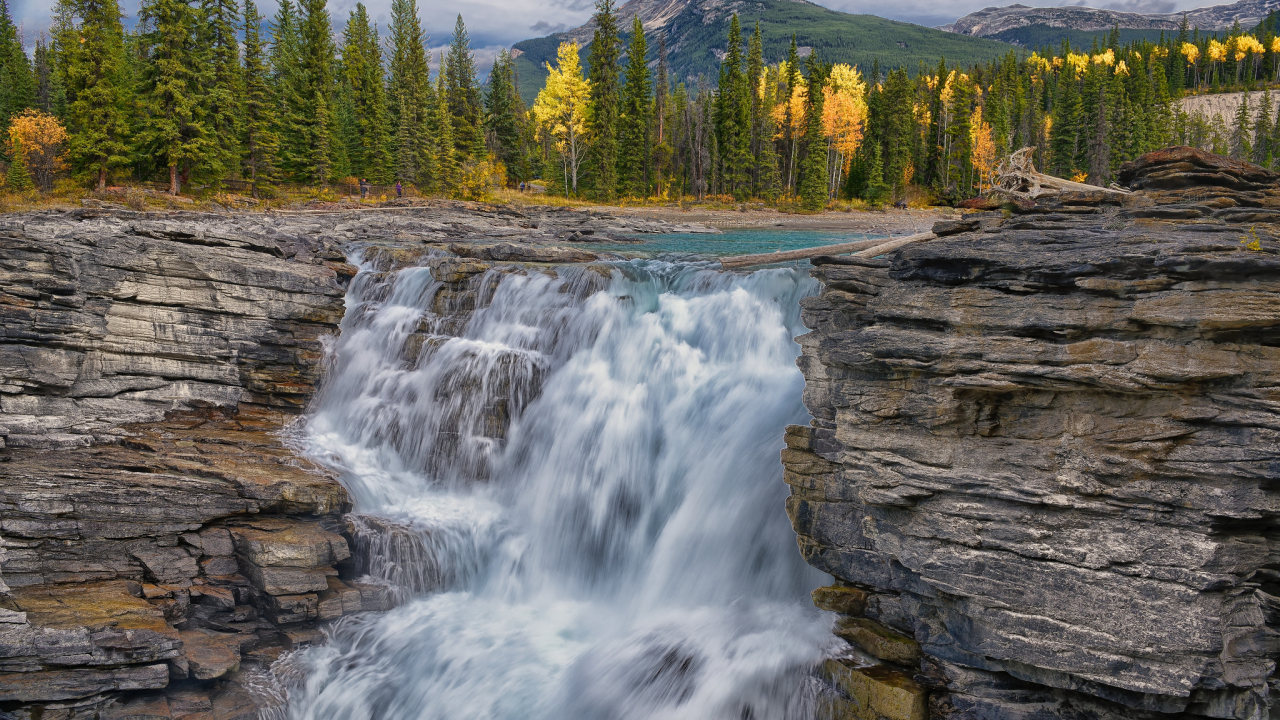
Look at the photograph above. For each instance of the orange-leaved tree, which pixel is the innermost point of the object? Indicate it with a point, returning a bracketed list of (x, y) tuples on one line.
[(39, 141)]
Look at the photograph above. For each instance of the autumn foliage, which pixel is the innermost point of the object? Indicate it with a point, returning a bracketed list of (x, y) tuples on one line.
[(38, 141)]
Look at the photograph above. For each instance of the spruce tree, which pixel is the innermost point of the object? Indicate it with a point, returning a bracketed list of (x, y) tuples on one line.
[(1242, 131), (1263, 151), (635, 116), (504, 119), (603, 125), (733, 116), (222, 98), (663, 121), (289, 81), (463, 94), (49, 95), (315, 57), (175, 129), (448, 169), (363, 77), (812, 187), (259, 143), (90, 63), (410, 98), (18, 179), (17, 84)]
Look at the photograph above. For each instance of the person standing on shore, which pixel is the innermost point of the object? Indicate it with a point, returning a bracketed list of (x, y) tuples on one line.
[(364, 188), (399, 189)]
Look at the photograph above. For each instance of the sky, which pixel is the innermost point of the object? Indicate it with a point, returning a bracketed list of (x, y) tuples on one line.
[(496, 24)]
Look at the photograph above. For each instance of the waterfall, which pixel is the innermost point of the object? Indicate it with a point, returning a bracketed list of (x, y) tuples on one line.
[(574, 489)]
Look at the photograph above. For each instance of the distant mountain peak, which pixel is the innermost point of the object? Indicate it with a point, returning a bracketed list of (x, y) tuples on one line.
[(993, 21)]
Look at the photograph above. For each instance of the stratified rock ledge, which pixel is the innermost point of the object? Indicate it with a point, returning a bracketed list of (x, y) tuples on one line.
[(1044, 467)]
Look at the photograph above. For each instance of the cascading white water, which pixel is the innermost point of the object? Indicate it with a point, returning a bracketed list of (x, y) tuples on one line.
[(620, 550)]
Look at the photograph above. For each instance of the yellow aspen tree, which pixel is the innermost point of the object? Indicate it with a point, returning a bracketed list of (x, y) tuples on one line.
[(984, 149), (844, 114), (560, 111), (1192, 54)]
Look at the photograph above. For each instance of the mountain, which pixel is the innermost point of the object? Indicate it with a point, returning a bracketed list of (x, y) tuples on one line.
[(1029, 26), (696, 31)]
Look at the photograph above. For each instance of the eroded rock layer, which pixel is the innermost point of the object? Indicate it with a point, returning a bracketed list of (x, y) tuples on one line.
[(1044, 466), (159, 544)]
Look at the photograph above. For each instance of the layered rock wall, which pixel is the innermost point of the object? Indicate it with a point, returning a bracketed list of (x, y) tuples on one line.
[(1044, 466)]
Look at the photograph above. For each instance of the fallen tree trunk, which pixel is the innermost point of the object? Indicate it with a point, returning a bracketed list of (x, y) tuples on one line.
[(838, 249)]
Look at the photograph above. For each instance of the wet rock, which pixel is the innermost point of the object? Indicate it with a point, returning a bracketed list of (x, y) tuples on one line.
[(874, 693), (838, 599), (879, 641)]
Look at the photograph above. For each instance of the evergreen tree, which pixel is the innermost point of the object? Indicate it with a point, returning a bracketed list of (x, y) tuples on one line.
[(315, 56), (733, 116), (370, 143), (175, 129), (812, 187), (605, 101), (17, 84), (504, 119), (90, 62), (764, 167), (634, 119), (49, 95), (259, 143), (411, 98), (1263, 150), (289, 81), (18, 179), (223, 96), (447, 155), (1242, 132), (663, 121), (463, 94)]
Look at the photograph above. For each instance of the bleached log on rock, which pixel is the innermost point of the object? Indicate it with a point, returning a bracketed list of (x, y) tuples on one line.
[(1017, 177), (868, 248)]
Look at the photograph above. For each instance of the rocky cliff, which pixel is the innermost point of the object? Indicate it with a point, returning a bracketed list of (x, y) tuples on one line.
[(1044, 468), (159, 542)]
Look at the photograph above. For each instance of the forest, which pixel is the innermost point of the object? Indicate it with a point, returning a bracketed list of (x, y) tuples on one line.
[(206, 94)]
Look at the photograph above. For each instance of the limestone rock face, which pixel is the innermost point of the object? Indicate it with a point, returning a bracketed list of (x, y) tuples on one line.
[(1046, 451)]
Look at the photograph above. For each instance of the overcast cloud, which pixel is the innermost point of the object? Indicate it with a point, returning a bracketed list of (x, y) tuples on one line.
[(495, 25)]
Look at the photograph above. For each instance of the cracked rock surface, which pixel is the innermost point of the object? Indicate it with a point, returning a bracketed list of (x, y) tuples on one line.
[(1045, 449)]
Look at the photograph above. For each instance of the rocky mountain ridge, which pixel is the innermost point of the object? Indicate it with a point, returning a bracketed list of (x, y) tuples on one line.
[(993, 21)]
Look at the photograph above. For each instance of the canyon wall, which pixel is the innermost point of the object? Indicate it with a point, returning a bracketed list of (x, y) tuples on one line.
[(1044, 466), (160, 543)]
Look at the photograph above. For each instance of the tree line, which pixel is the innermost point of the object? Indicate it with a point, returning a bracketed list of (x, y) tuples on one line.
[(183, 98)]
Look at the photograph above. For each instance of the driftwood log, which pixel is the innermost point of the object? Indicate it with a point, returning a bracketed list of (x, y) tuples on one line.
[(1018, 178), (865, 248)]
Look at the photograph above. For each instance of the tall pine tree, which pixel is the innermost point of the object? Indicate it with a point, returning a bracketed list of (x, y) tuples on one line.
[(89, 43), (635, 116), (223, 96), (411, 99), (17, 85), (462, 94), (259, 143), (175, 129), (505, 119), (812, 187), (315, 56), (603, 122), (362, 69), (733, 117)]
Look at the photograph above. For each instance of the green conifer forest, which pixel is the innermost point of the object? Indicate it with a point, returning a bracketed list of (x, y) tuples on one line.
[(205, 94)]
